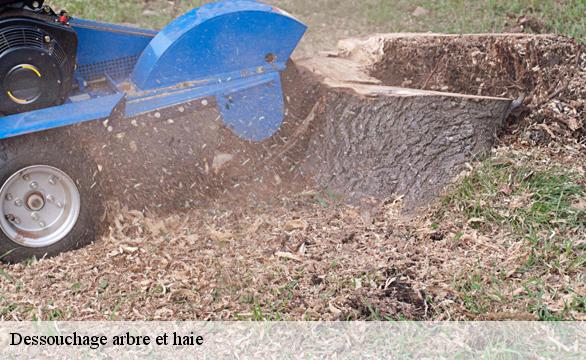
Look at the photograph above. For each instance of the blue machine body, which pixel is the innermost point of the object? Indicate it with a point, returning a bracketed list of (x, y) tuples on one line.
[(230, 51)]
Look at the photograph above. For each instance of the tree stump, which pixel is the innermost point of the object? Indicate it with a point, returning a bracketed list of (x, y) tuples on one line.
[(372, 140)]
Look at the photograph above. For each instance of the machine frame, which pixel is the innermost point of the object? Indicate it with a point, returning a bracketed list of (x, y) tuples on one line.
[(228, 54)]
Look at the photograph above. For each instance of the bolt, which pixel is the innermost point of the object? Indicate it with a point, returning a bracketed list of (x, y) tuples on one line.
[(47, 38), (16, 220), (34, 185), (26, 177), (36, 4), (8, 197), (53, 180), (42, 224), (18, 202), (59, 204), (19, 238), (35, 216), (51, 198), (35, 201)]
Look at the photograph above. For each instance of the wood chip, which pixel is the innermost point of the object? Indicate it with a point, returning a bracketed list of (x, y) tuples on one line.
[(288, 255)]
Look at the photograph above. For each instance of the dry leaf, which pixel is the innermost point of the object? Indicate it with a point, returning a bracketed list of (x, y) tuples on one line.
[(419, 11), (519, 291), (476, 221), (295, 225), (219, 235), (288, 255), (220, 161), (580, 204), (334, 309)]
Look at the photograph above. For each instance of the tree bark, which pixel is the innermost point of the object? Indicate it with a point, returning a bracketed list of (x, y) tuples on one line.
[(369, 140)]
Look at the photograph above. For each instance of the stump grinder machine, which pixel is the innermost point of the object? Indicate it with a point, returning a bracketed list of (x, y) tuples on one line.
[(57, 70)]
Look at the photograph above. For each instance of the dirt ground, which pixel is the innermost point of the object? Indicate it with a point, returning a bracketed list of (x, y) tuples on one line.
[(305, 255)]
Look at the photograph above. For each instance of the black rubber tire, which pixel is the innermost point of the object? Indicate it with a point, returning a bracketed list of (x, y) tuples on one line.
[(45, 149)]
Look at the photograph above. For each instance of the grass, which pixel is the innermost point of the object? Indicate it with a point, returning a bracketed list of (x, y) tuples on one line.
[(518, 197), (152, 14), (106, 10), (258, 312), (564, 17), (274, 308), (537, 207)]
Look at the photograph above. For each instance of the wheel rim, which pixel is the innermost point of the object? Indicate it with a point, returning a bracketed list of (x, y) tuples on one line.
[(40, 205)]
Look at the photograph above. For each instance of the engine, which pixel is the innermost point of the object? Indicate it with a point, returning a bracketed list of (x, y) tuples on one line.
[(38, 51)]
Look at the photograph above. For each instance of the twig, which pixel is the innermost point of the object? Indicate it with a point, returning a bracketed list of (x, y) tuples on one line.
[(303, 127), (435, 68)]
